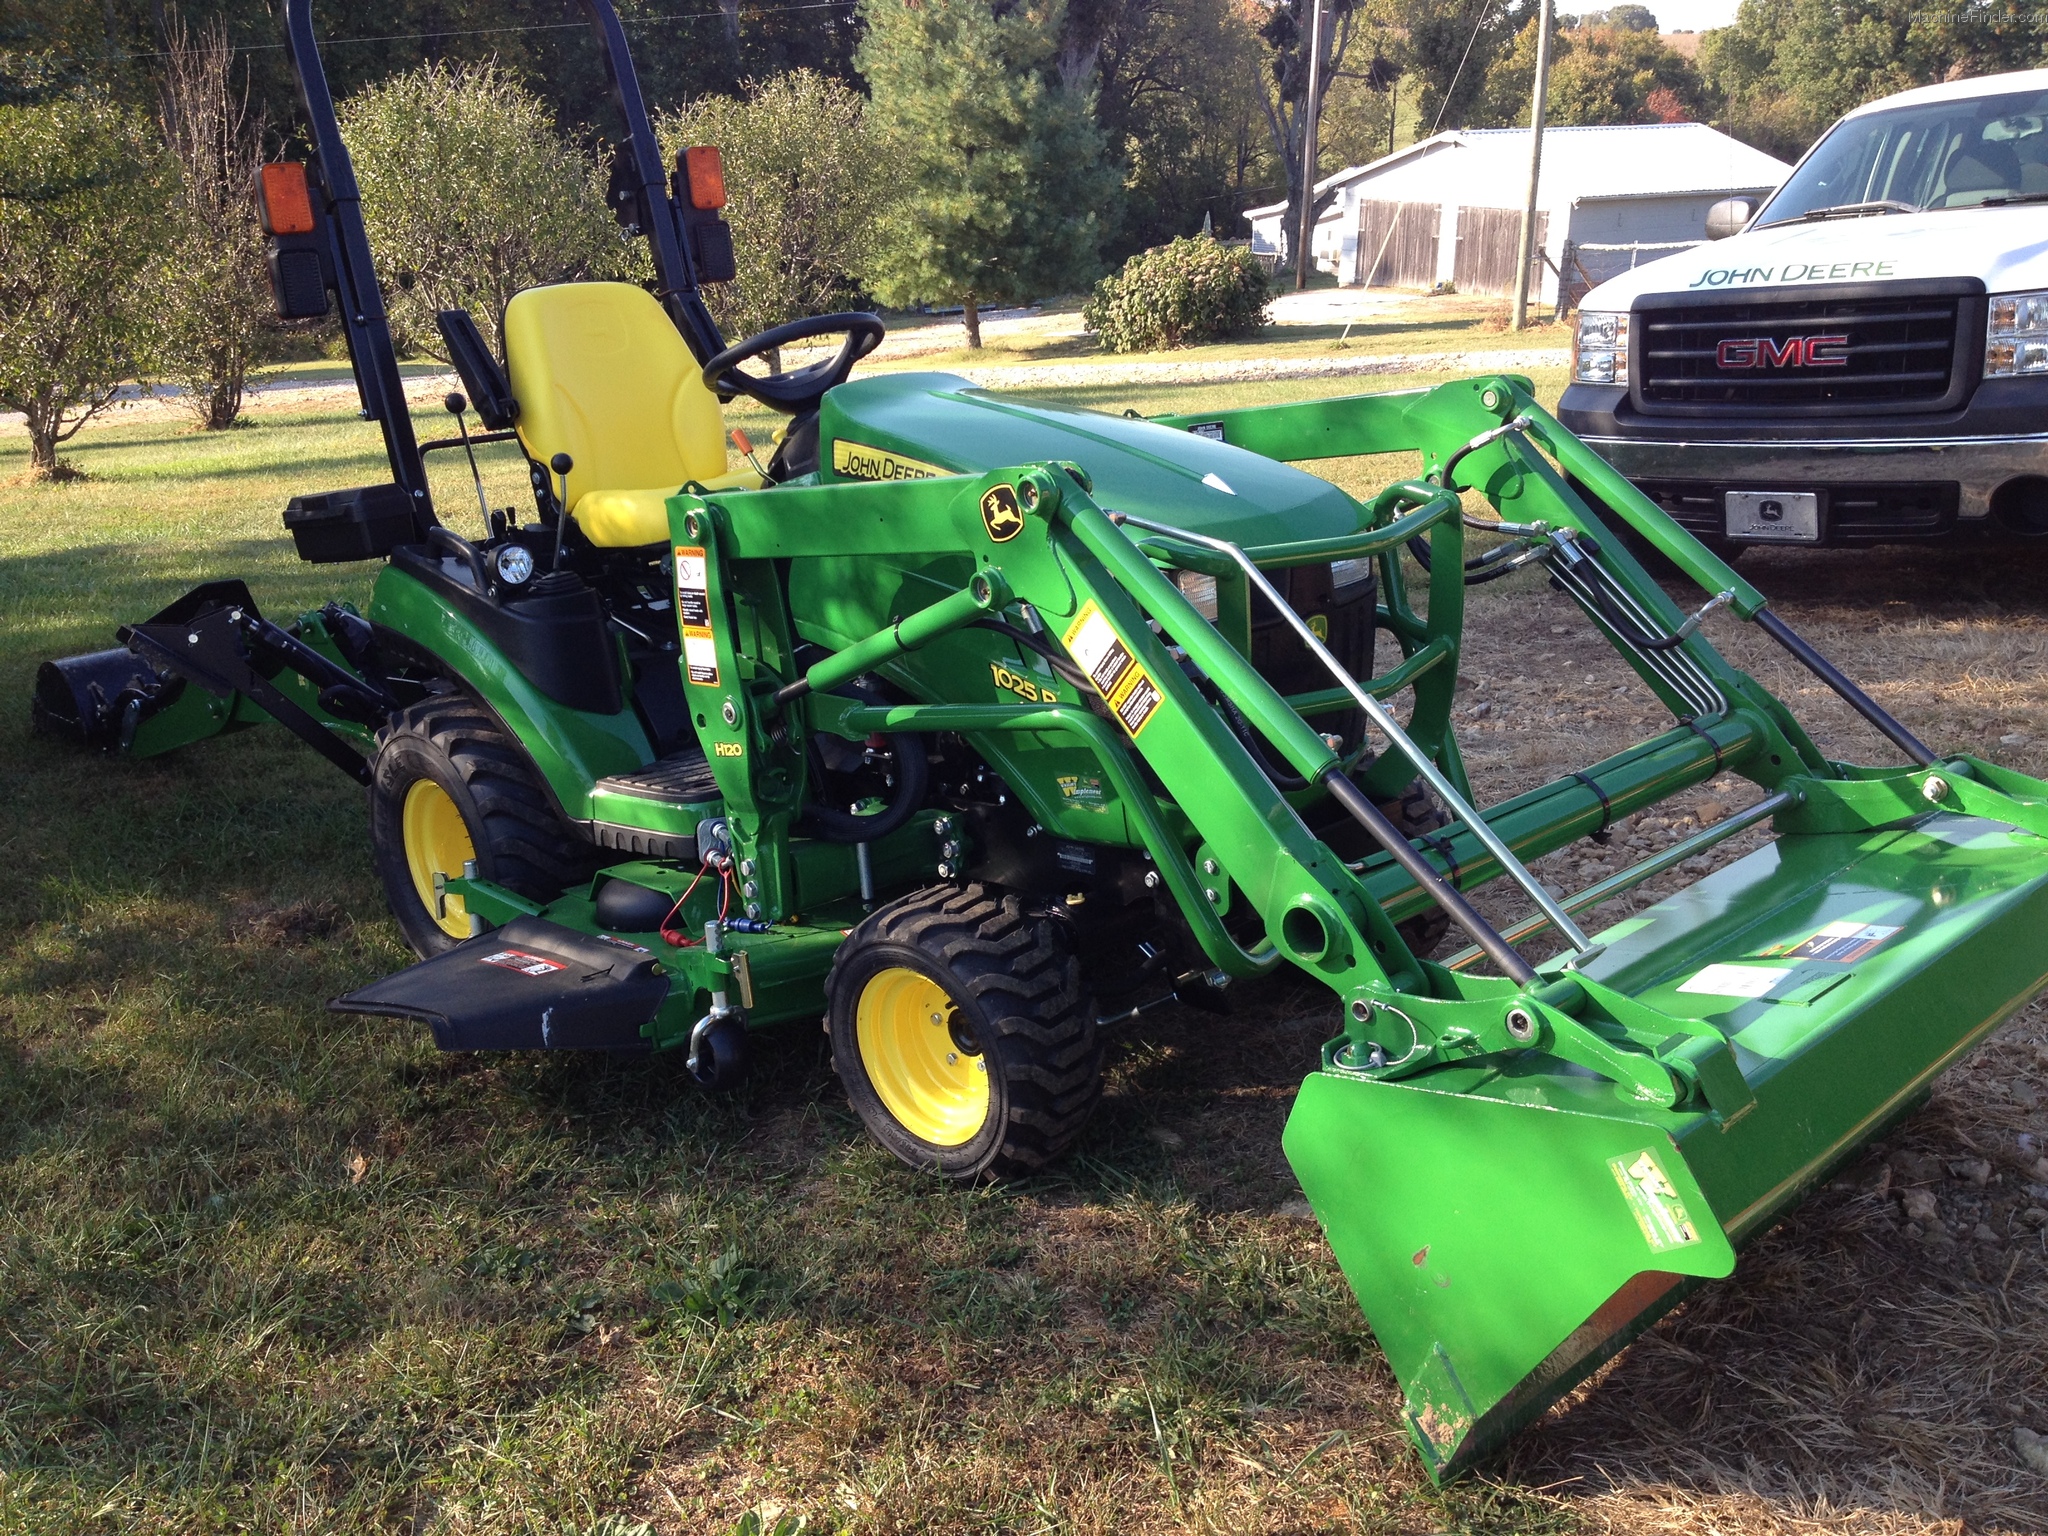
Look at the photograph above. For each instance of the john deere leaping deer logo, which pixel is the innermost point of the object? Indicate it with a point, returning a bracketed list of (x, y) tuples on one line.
[(1000, 514)]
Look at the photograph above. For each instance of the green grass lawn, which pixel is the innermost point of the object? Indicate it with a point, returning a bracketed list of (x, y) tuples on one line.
[(263, 1267), (1449, 323)]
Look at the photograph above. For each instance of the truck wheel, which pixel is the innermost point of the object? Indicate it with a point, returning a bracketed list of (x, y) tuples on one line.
[(962, 1032), (450, 784)]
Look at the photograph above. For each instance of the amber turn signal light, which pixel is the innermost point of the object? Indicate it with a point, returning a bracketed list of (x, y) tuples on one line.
[(704, 170), (284, 200)]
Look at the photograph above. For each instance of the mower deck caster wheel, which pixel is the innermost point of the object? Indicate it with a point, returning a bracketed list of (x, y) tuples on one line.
[(962, 1032), (719, 1061)]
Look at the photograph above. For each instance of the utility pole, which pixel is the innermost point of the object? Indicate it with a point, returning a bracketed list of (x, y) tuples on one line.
[(1304, 248), (1538, 101)]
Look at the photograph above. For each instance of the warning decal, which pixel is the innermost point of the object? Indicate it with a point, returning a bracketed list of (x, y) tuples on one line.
[(1125, 686), (857, 461), (526, 964), (1737, 980), (693, 615), (1213, 430), (1846, 942), (1653, 1200)]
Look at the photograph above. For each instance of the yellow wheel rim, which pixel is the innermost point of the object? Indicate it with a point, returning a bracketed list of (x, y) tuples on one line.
[(436, 842), (936, 1091)]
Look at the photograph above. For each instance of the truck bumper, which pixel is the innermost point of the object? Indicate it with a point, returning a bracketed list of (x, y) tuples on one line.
[(1880, 488)]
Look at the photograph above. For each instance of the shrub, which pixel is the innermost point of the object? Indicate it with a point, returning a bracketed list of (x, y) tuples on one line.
[(1175, 295), (470, 194), (216, 294), (82, 196), (800, 170)]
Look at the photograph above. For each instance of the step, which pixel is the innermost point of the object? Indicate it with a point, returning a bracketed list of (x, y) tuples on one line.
[(652, 812)]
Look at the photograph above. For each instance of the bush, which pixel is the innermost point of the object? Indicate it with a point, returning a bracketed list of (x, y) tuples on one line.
[(1175, 295), (470, 195), (800, 170), (83, 190)]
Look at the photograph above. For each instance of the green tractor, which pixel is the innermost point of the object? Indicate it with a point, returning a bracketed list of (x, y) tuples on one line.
[(970, 724)]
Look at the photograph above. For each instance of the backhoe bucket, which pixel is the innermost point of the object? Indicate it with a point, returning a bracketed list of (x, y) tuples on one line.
[(1509, 1222)]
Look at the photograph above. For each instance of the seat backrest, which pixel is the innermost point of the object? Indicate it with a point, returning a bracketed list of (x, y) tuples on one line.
[(602, 374)]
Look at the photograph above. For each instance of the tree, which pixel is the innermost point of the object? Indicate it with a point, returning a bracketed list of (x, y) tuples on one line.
[(1286, 32), (1450, 47), (1178, 100), (215, 288), (82, 191), (1598, 74), (1626, 18), (1788, 68), (470, 195), (800, 173), (1006, 192)]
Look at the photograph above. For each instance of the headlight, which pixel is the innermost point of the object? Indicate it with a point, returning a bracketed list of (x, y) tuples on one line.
[(1199, 590), (1346, 574), (2016, 340), (1600, 348)]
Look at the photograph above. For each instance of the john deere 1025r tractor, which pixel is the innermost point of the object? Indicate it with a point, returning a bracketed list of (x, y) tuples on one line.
[(964, 722)]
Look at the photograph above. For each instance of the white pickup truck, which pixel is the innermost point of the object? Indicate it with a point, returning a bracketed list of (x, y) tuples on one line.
[(1866, 361)]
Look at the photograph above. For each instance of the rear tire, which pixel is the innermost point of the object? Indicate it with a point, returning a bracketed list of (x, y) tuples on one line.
[(451, 784), (962, 1032)]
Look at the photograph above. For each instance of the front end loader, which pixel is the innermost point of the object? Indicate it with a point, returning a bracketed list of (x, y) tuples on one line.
[(969, 724)]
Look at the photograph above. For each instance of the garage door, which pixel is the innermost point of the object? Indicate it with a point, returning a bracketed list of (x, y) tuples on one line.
[(1403, 237), (1489, 240)]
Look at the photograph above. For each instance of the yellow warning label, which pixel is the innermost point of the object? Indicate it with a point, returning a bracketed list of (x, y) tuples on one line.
[(693, 616), (1125, 685), (1658, 1208), (857, 461)]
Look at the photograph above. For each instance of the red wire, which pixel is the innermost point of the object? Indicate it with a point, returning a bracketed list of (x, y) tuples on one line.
[(680, 941)]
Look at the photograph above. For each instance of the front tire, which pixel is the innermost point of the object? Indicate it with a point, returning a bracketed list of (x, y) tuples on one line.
[(451, 784), (963, 1034)]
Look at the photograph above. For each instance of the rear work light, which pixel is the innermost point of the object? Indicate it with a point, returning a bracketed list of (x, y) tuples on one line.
[(284, 201), (704, 171)]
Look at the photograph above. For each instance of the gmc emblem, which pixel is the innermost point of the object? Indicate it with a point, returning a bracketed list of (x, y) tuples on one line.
[(1792, 352)]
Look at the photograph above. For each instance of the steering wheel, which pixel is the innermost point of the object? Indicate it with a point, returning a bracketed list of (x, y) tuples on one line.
[(799, 391)]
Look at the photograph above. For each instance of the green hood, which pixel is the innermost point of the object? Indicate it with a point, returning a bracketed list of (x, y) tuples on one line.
[(908, 425)]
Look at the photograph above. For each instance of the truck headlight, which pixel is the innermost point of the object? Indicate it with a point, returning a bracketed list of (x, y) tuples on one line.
[(1600, 348), (2016, 340)]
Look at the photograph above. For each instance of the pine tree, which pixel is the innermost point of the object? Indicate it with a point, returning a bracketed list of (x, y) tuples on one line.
[(1005, 192)]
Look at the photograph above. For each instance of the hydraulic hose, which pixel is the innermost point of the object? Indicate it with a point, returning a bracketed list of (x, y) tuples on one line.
[(913, 780)]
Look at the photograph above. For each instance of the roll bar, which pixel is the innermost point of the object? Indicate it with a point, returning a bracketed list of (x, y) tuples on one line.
[(352, 272)]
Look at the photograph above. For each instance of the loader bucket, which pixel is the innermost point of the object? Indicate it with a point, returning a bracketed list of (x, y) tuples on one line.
[(1509, 1222)]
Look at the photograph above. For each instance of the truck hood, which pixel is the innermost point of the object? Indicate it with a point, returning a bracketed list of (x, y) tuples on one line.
[(911, 425), (2006, 247)]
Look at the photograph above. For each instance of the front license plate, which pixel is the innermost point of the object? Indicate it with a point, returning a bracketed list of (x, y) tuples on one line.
[(1788, 517)]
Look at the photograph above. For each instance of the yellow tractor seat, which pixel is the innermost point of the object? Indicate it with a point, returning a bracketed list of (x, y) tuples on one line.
[(601, 374)]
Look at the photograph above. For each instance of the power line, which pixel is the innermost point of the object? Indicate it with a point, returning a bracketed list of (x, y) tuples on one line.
[(1451, 90), (546, 26)]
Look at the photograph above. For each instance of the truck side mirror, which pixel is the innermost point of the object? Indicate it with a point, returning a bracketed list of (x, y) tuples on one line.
[(1728, 216)]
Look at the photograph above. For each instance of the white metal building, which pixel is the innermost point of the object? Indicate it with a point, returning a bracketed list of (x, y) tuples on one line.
[(1448, 209)]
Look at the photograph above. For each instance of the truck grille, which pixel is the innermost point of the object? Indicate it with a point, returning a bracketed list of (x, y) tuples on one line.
[(1892, 352)]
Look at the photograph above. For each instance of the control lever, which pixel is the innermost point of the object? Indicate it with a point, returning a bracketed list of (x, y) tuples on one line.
[(561, 464), (455, 406)]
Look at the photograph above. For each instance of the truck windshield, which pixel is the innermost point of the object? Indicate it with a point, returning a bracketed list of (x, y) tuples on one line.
[(1946, 154)]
